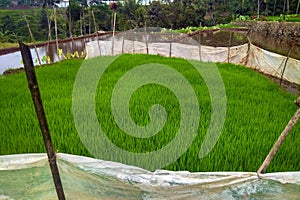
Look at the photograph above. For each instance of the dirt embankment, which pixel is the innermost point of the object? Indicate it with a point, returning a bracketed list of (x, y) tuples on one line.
[(289, 31)]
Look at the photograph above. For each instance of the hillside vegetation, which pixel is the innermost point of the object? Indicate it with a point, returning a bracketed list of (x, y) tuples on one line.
[(80, 19)]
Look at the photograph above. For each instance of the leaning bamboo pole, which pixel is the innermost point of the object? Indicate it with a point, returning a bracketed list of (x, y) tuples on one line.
[(280, 140), (285, 64), (32, 38), (37, 101)]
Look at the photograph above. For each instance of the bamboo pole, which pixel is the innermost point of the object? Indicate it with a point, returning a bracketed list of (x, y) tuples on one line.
[(49, 32), (70, 19), (230, 43), (133, 39), (145, 30), (113, 37), (55, 27), (280, 140), (170, 50), (248, 52), (33, 41), (258, 9), (285, 63), (70, 26), (123, 43), (37, 101), (80, 21), (95, 26), (199, 40)]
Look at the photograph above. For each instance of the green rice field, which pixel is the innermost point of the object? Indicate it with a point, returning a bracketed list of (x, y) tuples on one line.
[(257, 112)]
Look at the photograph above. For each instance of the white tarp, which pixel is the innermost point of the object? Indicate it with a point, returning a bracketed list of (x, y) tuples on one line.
[(253, 57), (27, 176)]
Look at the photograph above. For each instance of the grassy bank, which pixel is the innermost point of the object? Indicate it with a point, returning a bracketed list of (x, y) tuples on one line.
[(257, 112)]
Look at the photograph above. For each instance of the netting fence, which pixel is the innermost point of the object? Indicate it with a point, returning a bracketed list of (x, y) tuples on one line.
[(153, 41)]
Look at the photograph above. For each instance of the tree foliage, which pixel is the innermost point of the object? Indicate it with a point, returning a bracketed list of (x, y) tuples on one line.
[(173, 14)]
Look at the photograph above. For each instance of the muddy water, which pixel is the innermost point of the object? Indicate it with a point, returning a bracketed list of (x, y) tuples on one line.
[(223, 38), (13, 60)]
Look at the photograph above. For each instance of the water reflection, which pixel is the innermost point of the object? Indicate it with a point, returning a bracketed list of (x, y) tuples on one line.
[(14, 60), (221, 38)]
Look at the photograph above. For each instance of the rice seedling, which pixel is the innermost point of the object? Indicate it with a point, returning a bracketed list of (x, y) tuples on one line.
[(257, 112)]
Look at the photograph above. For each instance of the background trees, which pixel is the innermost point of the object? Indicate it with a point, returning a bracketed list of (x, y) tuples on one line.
[(77, 19)]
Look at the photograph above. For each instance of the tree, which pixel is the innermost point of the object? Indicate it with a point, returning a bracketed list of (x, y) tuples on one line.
[(4, 3), (26, 2), (43, 25), (8, 24), (129, 11)]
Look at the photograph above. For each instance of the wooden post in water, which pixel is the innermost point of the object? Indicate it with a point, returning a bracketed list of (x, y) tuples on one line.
[(280, 140), (36, 98)]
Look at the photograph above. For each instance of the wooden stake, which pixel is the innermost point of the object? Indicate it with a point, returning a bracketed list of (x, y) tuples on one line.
[(55, 27), (145, 30), (248, 52), (36, 98), (280, 140), (49, 33), (113, 37), (123, 43), (170, 50), (285, 63), (133, 39), (70, 19), (95, 25), (33, 41), (230, 43), (199, 40)]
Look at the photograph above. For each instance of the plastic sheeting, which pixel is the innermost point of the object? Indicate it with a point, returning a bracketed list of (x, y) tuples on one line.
[(246, 54), (27, 176)]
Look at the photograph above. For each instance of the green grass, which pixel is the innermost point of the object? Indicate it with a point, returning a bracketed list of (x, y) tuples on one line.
[(218, 26), (257, 112), (286, 18), (280, 18), (5, 45)]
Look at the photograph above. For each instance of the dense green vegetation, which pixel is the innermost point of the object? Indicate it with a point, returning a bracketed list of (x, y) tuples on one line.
[(13, 25), (78, 18), (257, 112), (287, 18)]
